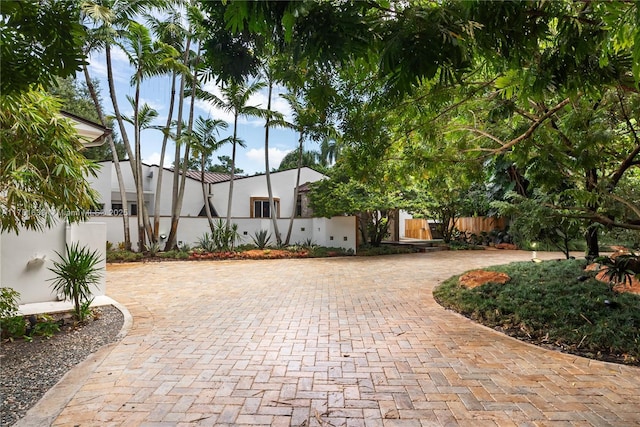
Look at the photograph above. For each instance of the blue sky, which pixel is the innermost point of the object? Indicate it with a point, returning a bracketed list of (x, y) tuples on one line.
[(156, 92)]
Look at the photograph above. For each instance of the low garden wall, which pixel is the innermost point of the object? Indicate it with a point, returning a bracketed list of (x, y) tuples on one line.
[(330, 232), (26, 258)]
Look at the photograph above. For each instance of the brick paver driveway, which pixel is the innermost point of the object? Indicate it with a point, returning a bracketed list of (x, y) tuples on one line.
[(331, 342)]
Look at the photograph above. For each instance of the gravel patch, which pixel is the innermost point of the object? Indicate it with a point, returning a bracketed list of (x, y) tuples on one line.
[(29, 369)]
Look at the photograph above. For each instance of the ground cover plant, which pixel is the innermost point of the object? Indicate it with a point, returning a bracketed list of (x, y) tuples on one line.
[(555, 304)]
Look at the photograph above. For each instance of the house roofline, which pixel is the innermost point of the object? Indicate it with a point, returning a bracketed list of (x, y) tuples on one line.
[(276, 172), (220, 182), (105, 130)]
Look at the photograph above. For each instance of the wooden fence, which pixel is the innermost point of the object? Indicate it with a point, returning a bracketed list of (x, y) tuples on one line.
[(422, 229), (478, 224), (417, 229)]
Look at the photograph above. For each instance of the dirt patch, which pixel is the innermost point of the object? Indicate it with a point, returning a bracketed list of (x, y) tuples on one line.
[(476, 278)]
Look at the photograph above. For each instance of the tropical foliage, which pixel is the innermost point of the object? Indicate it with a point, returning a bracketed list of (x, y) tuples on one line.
[(413, 104), (42, 171), (76, 271)]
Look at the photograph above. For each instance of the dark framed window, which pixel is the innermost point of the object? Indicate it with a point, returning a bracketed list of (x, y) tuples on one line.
[(260, 207)]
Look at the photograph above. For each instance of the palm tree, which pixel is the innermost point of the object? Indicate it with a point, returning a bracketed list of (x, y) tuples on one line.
[(191, 61), (235, 98), (148, 58), (108, 17), (329, 151), (205, 143), (172, 32), (307, 122), (269, 74)]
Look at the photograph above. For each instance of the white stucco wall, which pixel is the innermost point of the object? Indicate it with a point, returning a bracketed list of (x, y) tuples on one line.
[(319, 230), (283, 185), (102, 184), (404, 215), (27, 257)]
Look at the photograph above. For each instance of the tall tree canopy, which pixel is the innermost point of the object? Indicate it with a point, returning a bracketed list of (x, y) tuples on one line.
[(39, 40)]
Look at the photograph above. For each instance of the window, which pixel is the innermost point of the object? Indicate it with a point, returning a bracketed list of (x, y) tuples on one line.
[(260, 207), (299, 206)]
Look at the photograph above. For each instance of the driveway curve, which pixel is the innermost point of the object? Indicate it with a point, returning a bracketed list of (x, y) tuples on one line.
[(330, 342)]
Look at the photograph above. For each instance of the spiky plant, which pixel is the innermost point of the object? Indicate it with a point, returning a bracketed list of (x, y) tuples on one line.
[(76, 271)]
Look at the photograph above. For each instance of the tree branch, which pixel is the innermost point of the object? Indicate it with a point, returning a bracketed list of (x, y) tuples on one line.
[(533, 127), (628, 204), (507, 145), (630, 159)]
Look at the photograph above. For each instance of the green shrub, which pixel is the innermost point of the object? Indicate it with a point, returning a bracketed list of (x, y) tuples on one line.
[(173, 254), (45, 326), (76, 272), (323, 251), (9, 298), (153, 248), (368, 250), (124, 256), (11, 323)]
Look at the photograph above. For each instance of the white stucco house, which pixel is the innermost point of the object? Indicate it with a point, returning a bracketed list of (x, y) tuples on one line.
[(25, 257), (250, 207)]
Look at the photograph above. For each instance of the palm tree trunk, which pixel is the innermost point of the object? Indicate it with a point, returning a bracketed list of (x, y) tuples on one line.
[(138, 164), (295, 191), (175, 211), (192, 106), (233, 170), (123, 131), (205, 193), (163, 150), (116, 109), (114, 155), (272, 205)]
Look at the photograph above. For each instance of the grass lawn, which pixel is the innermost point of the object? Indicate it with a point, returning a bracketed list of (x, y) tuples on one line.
[(555, 304)]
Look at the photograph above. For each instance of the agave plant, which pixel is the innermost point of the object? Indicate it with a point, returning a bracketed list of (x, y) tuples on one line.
[(75, 273), (261, 238)]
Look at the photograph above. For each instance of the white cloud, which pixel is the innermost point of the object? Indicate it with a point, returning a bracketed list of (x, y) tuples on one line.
[(154, 159), (156, 105), (275, 156), (98, 66)]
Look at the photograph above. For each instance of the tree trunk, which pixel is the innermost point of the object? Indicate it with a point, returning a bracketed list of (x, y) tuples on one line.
[(591, 235), (205, 193), (163, 150), (295, 190), (185, 163), (233, 170), (175, 211), (116, 110), (138, 164), (123, 131), (363, 220), (114, 155), (272, 205)]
